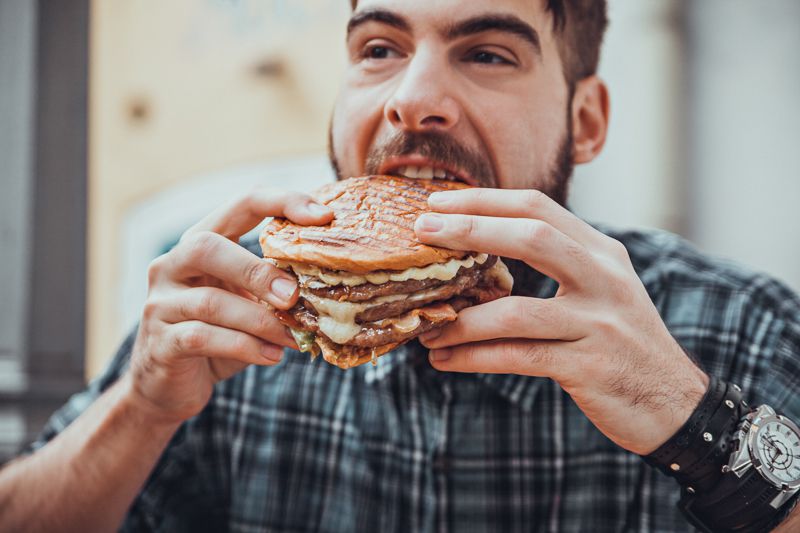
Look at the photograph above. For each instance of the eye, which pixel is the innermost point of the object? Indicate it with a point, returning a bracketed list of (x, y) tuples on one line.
[(378, 52), (487, 58)]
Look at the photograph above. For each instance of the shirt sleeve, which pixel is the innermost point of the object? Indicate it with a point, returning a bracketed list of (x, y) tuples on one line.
[(774, 364), (80, 401), (186, 491)]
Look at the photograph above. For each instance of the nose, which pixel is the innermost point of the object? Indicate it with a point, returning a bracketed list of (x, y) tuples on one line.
[(423, 100)]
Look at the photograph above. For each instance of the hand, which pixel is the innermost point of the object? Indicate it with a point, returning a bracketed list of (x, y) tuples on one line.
[(204, 319), (601, 338)]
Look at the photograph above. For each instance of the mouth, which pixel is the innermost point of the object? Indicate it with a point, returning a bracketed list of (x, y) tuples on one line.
[(424, 168)]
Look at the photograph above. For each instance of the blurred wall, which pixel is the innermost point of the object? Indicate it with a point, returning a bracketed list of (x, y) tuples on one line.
[(744, 100), (183, 88)]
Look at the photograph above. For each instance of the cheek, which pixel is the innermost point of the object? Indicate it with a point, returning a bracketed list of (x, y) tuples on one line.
[(523, 142), (356, 117)]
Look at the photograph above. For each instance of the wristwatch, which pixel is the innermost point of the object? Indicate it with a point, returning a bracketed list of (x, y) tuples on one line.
[(770, 444), (762, 474)]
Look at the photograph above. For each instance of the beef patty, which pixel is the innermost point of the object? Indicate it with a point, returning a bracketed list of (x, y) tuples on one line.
[(373, 334), (368, 291)]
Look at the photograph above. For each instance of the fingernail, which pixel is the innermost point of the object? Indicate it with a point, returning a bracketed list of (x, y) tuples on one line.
[(430, 223), (441, 355), (283, 288), (318, 210), (429, 336), (438, 198), (272, 352)]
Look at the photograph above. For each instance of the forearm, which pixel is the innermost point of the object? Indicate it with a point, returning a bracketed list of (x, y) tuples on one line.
[(86, 478)]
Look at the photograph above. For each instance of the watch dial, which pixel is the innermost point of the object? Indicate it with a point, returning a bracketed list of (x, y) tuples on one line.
[(779, 450)]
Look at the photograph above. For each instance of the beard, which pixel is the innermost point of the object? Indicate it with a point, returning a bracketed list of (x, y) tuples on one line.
[(441, 147)]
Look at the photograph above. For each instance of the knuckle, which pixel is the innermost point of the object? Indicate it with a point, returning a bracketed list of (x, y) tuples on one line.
[(257, 274), (191, 338), (517, 314), (534, 198), (469, 227), (619, 251), (535, 353), (240, 344), (536, 233), (155, 269), (151, 309), (245, 200), (264, 320), (200, 245), (207, 305), (606, 327)]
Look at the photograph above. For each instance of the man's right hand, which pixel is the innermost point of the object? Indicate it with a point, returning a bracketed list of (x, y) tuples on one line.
[(204, 319)]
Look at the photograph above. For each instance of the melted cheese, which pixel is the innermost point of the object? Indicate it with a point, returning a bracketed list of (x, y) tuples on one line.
[(441, 271), (499, 272), (337, 319)]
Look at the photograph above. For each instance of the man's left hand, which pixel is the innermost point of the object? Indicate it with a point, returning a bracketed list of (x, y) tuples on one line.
[(601, 338)]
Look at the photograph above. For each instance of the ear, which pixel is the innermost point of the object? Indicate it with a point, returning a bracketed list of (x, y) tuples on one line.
[(590, 109)]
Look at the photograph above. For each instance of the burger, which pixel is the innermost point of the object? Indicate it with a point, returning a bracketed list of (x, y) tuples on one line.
[(366, 284)]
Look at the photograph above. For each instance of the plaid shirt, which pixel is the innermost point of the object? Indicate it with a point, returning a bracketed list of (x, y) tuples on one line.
[(304, 446)]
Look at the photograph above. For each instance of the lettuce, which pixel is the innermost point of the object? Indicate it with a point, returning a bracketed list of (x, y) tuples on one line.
[(305, 341)]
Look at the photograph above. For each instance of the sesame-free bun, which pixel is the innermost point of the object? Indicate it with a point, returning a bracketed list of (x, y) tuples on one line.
[(372, 228)]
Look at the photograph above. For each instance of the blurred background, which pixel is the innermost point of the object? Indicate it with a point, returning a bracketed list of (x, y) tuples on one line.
[(122, 123)]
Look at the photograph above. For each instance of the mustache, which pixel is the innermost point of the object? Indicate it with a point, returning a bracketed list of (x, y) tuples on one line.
[(435, 145)]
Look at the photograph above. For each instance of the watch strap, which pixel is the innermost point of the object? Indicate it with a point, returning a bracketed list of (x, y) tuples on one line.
[(664, 456)]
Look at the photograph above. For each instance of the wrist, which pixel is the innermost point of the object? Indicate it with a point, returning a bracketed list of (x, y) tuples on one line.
[(696, 452), (140, 409)]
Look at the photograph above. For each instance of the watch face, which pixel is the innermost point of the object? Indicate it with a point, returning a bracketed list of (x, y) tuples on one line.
[(777, 445)]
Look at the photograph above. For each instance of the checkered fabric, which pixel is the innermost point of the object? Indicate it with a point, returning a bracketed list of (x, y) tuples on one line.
[(304, 446)]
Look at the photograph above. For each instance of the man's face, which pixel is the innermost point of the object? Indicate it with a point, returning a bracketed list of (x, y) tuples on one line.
[(474, 87)]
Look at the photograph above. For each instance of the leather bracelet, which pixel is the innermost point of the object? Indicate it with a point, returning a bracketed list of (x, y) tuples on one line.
[(704, 473), (736, 502), (663, 457)]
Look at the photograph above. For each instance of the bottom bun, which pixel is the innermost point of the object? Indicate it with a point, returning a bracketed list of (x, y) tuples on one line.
[(351, 356)]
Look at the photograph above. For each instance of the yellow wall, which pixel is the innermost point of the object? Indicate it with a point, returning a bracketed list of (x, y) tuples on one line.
[(186, 87)]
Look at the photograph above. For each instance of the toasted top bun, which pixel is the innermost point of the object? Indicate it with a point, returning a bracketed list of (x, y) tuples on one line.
[(372, 229)]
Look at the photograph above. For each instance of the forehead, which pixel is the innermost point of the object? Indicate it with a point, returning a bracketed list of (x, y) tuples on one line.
[(424, 15)]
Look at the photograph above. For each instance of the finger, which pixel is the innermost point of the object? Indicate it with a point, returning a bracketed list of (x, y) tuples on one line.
[(516, 204), (221, 308), (535, 242), (243, 214), (207, 253), (510, 317), (531, 358), (198, 339)]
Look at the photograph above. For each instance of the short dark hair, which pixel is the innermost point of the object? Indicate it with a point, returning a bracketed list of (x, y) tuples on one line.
[(579, 26)]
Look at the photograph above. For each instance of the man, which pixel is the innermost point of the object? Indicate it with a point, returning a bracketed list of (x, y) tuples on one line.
[(204, 422)]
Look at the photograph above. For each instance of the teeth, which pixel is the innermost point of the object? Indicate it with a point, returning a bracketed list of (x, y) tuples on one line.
[(424, 172)]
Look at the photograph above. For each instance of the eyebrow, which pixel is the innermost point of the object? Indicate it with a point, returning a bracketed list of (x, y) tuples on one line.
[(377, 15), (482, 23), (502, 23)]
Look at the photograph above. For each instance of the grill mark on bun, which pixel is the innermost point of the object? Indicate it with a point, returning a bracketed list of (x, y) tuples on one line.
[(372, 229)]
